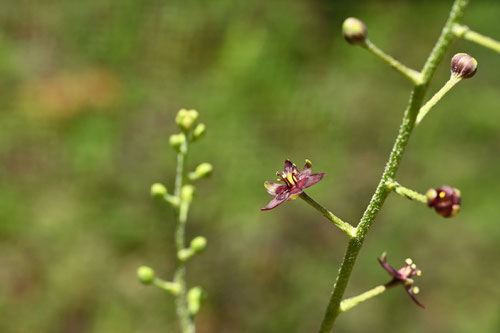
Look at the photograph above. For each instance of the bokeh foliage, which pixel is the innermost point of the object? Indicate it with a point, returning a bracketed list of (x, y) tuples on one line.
[(88, 94)]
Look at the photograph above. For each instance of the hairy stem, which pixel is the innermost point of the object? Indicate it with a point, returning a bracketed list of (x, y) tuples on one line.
[(378, 198), (344, 226), (349, 303), (465, 33), (406, 192), (186, 321)]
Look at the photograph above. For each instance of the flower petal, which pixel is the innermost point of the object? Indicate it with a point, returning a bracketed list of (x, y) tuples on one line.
[(274, 188), (414, 298), (290, 167), (306, 170), (313, 179), (391, 270), (276, 201)]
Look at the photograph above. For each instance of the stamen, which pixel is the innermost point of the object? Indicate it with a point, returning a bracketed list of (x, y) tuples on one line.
[(416, 290), (442, 194), (409, 261)]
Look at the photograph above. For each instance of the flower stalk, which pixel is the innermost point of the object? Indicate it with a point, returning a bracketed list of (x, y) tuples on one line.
[(466, 33), (344, 226), (349, 303), (187, 302), (414, 76), (392, 166), (454, 79), (406, 192)]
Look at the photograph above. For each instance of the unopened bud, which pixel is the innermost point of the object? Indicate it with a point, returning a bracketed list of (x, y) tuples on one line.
[(445, 200), (199, 130), (198, 244), (158, 190), (187, 193), (195, 296), (177, 140), (146, 274), (204, 170), (354, 31), (186, 118), (463, 65)]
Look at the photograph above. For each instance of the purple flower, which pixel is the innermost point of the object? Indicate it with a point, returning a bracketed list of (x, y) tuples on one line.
[(294, 183), (403, 276), (445, 200)]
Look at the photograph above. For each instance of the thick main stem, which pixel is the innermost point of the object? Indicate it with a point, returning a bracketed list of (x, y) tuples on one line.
[(378, 198), (186, 321)]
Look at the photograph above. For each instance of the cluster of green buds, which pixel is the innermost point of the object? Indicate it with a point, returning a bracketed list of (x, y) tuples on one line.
[(181, 198), (190, 130)]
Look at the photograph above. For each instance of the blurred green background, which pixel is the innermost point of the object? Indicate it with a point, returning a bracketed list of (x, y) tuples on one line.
[(88, 96)]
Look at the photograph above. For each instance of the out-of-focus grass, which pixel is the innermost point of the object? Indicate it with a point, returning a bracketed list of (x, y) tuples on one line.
[(89, 90)]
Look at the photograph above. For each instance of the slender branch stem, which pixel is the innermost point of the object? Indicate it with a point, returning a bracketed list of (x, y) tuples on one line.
[(349, 303), (378, 198), (186, 321), (171, 287), (409, 73), (454, 79), (406, 192), (466, 33), (344, 226)]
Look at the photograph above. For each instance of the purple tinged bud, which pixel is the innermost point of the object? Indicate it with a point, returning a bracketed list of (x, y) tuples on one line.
[(354, 31), (463, 65), (445, 200)]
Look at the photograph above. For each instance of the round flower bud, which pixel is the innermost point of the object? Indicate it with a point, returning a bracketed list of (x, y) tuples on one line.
[(146, 274), (186, 118), (445, 200), (198, 244), (354, 31), (187, 193), (199, 130), (463, 65), (158, 190), (204, 170), (195, 296), (176, 141)]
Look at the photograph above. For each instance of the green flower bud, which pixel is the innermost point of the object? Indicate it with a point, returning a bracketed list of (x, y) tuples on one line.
[(198, 244), (354, 31), (199, 130), (158, 191), (146, 274), (177, 140), (186, 118), (204, 170), (195, 296), (187, 193), (463, 65)]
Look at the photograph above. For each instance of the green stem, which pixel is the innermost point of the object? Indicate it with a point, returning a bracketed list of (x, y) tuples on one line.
[(406, 192), (454, 79), (349, 303), (344, 226), (171, 287), (378, 198), (186, 321), (465, 33), (410, 74)]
